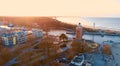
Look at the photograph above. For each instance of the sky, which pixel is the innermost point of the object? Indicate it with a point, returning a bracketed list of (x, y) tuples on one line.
[(82, 8)]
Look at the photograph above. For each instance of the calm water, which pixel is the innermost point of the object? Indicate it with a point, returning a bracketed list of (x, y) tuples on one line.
[(97, 38), (102, 23)]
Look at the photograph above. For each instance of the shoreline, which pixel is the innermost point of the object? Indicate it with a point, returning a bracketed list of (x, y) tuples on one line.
[(91, 31)]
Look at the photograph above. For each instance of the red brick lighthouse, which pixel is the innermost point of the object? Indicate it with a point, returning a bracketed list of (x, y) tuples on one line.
[(79, 32)]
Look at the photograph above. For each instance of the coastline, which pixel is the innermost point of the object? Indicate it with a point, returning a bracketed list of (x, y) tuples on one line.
[(91, 31)]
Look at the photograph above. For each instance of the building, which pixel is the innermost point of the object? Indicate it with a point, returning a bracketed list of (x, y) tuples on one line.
[(14, 36), (21, 37), (9, 38), (37, 33), (79, 32)]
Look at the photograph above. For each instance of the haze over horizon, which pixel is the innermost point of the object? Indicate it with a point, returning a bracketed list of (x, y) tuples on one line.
[(62, 8), (83, 8)]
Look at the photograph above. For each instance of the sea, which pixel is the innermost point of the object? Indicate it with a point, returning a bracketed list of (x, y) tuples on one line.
[(105, 23)]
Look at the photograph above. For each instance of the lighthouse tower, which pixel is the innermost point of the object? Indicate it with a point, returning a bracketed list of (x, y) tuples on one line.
[(79, 32)]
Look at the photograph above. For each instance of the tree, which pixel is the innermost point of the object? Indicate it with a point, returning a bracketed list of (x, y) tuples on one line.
[(5, 56), (63, 37), (76, 46), (56, 64), (106, 50), (79, 46), (47, 46)]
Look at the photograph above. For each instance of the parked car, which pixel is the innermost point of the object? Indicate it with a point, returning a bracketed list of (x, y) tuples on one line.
[(77, 61), (62, 60)]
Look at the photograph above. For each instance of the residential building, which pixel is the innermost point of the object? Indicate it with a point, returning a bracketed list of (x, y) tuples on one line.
[(11, 38), (37, 33), (21, 37), (8, 38)]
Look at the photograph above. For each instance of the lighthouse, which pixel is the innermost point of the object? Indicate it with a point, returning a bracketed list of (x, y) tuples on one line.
[(79, 32)]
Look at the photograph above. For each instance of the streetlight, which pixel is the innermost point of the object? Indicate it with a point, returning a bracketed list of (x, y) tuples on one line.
[(94, 26), (93, 29)]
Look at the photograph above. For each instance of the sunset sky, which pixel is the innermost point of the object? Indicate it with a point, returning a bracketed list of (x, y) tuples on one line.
[(82, 8)]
